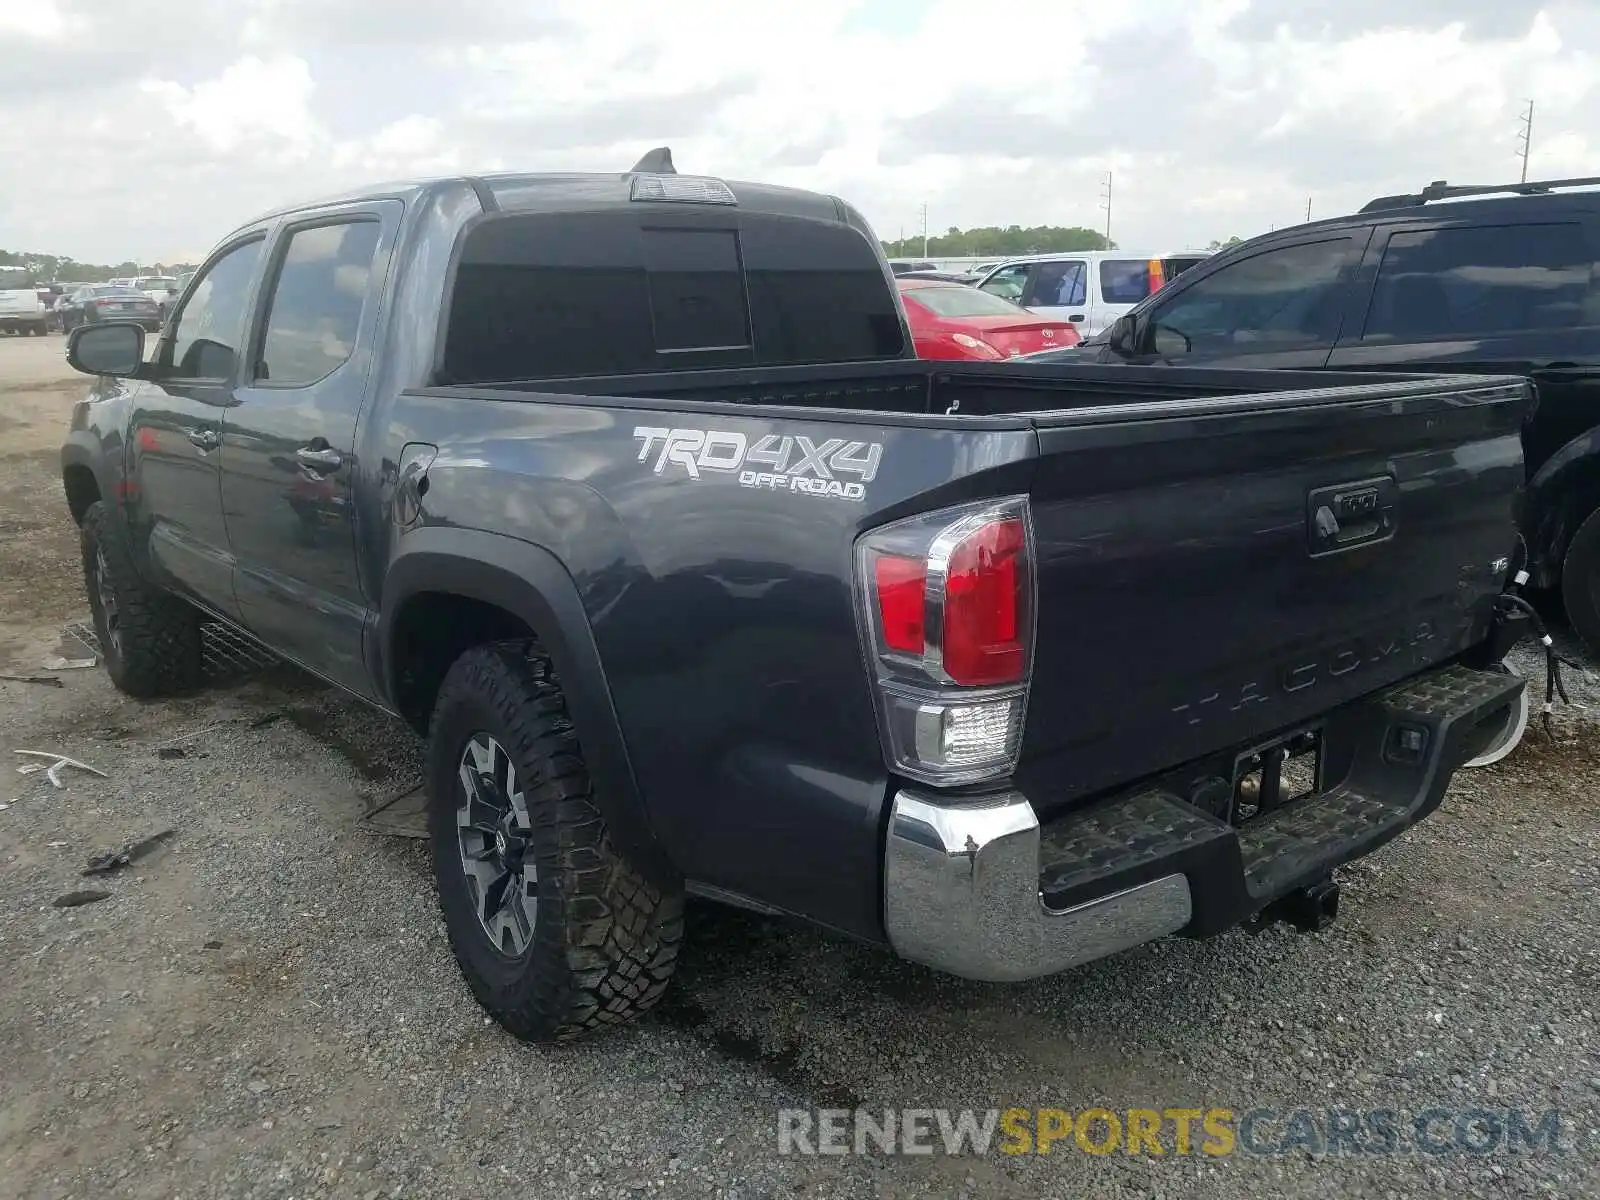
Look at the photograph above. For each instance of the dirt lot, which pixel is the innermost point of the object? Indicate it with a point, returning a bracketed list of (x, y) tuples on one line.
[(266, 1006)]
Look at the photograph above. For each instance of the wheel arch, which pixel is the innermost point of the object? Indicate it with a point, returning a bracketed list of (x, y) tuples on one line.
[(485, 587), (1560, 497), (80, 480)]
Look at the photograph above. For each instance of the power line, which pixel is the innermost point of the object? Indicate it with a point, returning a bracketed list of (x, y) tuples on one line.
[(1525, 138), (1105, 203)]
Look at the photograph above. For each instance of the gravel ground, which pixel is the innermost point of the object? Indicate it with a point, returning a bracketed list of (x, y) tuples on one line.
[(266, 1006)]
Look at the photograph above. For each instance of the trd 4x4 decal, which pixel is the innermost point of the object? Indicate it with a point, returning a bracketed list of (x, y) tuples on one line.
[(779, 462)]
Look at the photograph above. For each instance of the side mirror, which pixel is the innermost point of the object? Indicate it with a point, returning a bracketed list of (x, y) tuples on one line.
[(114, 348), (1122, 338)]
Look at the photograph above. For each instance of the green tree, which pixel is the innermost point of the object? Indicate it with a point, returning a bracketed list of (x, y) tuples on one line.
[(68, 270), (993, 241), (1215, 244)]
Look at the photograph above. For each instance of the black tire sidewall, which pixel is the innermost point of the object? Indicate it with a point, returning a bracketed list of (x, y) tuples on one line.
[(1580, 581), (500, 981), (161, 649), (97, 536)]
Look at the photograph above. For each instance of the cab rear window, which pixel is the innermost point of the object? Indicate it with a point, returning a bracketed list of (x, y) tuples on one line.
[(559, 295)]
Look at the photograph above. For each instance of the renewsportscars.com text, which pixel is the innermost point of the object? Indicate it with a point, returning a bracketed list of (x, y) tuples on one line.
[(1213, 1132)]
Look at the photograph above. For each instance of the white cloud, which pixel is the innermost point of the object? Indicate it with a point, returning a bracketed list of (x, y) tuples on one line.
[(40, 19), (1216, 117), (263, 105)]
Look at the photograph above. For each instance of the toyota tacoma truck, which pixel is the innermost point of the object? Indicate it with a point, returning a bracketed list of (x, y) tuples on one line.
[(626, 492)]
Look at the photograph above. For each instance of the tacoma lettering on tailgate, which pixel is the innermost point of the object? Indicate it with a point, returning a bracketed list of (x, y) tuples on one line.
[(777, 462)]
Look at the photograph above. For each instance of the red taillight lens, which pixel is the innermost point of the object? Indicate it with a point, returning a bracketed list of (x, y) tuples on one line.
[(1158, 275), (901, 601), (947, 600), (983, 606), (102, 303)]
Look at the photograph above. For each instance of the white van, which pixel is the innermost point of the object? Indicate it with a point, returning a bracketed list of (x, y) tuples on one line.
[(1089, 288)]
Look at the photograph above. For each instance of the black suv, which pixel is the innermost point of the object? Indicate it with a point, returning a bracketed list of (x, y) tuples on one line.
[(1470, 279)]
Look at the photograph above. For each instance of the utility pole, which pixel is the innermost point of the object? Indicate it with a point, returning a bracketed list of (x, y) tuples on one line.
[(1525, 137), (924, 229), (1105, 203), (1308, 208)]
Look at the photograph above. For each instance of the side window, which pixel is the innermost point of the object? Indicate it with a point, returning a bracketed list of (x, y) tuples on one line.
[(317, 301), (1009, 282), (1124, 280), (1465, 282), (205, 337), (1061, 284), (1285, 299)]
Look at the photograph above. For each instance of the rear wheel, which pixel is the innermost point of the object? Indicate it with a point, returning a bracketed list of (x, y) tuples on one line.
[(1580, 581), (149, 638), (557, 933)]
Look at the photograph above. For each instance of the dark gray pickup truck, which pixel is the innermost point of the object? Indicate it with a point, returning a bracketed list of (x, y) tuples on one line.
[(626, 492)]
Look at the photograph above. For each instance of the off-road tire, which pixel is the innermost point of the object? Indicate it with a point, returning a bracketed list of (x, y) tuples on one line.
[(605, 938), (159, 651), (1580, 581)]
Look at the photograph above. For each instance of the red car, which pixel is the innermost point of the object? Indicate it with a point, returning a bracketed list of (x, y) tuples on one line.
[(952, 320)]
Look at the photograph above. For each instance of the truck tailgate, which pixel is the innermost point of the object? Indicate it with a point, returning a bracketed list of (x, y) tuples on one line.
[(1212, 572)]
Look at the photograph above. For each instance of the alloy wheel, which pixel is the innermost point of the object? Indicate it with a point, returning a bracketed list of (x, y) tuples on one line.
[(109, 614), (494, 835)]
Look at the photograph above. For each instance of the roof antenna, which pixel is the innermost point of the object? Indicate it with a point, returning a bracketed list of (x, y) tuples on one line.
[(657, 162)]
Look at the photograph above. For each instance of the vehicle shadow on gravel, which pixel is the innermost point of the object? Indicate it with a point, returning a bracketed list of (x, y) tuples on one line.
[(842, 1024)]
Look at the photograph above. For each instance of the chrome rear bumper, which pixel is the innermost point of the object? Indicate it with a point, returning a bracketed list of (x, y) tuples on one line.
[(962, 894), (977, 888)]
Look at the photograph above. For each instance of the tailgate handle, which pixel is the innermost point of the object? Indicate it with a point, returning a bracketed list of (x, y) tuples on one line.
[(1344, 516)]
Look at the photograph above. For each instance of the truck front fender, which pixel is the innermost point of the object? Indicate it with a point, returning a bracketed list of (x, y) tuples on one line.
[(532, 585)]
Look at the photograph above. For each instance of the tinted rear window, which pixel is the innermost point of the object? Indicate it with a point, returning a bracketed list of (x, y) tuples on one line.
[(13, 280), (1124, 280), (553, 295), (1484, 279), (963, 301)]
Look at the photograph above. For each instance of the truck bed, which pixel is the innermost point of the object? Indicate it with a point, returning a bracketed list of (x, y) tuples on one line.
[(1185, 606)]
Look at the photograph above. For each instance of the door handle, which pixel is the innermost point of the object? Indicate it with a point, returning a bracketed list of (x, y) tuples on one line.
[(1075, 317), (326, 459), (206, 439)]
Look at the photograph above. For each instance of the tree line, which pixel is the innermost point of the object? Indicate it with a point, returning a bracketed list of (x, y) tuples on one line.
[(998, 242), (52, 267)]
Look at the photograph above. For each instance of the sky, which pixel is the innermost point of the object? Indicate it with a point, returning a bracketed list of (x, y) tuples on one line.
[(147, 129)]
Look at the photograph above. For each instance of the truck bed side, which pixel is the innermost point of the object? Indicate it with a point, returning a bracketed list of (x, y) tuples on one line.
[(1173, 566)]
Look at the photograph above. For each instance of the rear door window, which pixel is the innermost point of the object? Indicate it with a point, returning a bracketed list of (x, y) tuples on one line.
[(1060, 284), (1471, 281), (552, 295), (315, 307)]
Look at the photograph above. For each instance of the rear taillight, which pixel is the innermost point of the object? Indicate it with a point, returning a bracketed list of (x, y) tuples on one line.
[(975, 347), (947, 600), (1158, 275)]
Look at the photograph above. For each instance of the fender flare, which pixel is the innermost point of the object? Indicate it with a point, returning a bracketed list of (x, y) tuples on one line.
[(82, 450), (533, 585)]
